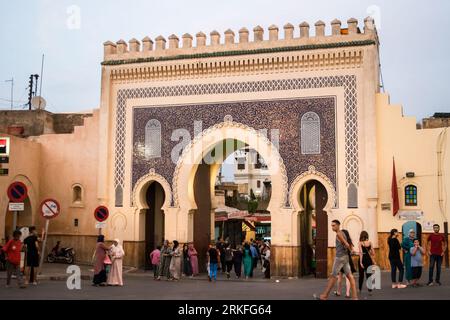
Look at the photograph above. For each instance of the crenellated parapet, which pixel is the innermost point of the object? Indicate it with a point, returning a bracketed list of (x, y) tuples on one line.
[(301, 37)]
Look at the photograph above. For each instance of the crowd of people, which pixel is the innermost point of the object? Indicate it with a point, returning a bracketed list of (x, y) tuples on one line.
[(171, 262), (413, 254)]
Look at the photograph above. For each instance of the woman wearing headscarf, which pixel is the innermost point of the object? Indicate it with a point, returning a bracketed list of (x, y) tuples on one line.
[(266, 263), (99, 262), (175, 262), (248, 261), (115, 274), (193, 259), (407, 244), (165, 258), (187, 269)]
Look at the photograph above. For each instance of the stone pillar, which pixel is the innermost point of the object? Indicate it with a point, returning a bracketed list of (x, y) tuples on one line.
[(372, 221), (352, 26), (121, 47), (109, 48), (173, 42), (336, 27), (187, 41), (288, 31), (135, 45), (369, 25), (273, 33), (243, 35), (258, 34), (201, 39), (147, 44), (304, 30), (160, 43), (229, 36), (320, 28), (215, 38)]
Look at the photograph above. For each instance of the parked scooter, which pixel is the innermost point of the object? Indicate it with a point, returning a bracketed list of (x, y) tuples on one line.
[(61, 255)]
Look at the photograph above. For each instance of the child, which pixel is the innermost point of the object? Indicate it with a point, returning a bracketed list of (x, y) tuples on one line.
[(12, 250), (155, 258), (416, 262)]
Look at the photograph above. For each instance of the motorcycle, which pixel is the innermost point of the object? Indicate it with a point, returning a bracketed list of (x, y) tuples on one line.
[(64, 254)]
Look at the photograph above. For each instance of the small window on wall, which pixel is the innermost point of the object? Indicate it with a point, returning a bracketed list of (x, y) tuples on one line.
[(310, 133), (352, 196), (152, 139), (410, 195), (258, 184), (77, 195)]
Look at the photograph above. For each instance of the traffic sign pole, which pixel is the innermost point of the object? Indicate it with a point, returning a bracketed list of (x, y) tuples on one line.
[(44, 244), (15, 220)]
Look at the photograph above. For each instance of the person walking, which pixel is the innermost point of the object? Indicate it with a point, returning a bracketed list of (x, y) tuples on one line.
[(115, 274), (187, 269), (155, 258), (228, 259), (237, 261), (32, 254), (213, 256), (417, 253), (395, 260), (366, 258), (436, 246), (220, 245), (193, 259), (341, 261), (12, 251), (255, 256), (175, 262), (341, 273), (164, 266), (266, 260), (407, 244), (248, 261), (99, 262)]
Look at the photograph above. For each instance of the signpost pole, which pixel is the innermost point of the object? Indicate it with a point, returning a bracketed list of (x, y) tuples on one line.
[(15, 220), (44, 244)]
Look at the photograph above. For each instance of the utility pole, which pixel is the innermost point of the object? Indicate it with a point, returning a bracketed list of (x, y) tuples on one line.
[(30, 92), (12, 90)]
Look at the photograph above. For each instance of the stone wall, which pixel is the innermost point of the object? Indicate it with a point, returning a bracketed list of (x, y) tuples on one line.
[(38, 122)]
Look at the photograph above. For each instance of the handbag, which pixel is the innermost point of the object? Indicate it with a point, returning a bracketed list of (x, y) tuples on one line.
[(107, 260)]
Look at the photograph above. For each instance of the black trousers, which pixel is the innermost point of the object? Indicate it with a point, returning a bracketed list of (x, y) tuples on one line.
[(396, 264)]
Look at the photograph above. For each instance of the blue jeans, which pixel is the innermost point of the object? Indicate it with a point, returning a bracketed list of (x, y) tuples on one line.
[(435, 259), (213, 270)]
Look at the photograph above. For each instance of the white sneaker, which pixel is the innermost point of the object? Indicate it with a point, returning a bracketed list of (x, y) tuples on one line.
[(394, 286), (401, 286)]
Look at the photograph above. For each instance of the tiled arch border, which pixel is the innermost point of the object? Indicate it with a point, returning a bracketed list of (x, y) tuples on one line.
[(348, 82)]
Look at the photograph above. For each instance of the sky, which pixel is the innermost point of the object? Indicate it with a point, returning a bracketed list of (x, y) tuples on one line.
[(414, 41)]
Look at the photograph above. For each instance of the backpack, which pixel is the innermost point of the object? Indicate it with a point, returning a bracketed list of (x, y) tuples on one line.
[(228, 255)]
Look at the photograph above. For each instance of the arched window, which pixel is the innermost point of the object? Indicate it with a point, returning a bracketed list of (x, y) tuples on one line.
[(352, 196), (119, 196), (410, 195), (310, 133), (77, 195), (152, 139)]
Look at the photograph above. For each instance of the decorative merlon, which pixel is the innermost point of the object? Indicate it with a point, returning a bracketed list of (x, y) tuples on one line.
[(122, 50)]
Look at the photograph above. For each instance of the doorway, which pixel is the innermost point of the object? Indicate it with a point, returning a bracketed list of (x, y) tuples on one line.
[(313, 230), (154, 220)]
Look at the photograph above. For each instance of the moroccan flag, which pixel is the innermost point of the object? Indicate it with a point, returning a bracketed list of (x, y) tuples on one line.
[(394, 190)]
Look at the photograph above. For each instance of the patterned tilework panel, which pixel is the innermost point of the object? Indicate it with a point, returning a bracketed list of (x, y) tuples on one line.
[(284, 115)]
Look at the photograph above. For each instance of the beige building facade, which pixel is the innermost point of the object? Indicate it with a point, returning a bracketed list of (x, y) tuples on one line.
[(170, 113)]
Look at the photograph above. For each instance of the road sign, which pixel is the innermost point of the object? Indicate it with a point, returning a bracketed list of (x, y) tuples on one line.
[(17, 192), (101, 213), (49, 208), (4, 146), (16, 206), (100, 225)]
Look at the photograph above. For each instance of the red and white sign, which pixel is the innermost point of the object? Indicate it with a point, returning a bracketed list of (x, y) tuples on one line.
[(50, 208), (101, 213), (4, 146), (17, 192)]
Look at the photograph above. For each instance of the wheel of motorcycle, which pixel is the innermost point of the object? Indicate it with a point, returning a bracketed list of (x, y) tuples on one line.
[(69, 260), (50, 259)]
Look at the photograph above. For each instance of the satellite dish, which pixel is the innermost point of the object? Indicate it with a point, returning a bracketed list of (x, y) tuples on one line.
[(38, 103)]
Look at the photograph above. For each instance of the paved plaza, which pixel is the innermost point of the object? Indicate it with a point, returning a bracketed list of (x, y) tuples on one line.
[(140, 285)]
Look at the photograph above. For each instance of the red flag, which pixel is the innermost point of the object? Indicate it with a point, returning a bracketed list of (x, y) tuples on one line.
[(394, 190)]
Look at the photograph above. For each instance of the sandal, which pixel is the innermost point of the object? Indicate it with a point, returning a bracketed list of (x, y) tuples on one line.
[(336, 294)]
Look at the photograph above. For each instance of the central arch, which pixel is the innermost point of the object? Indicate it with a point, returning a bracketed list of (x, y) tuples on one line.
[(191, 170)]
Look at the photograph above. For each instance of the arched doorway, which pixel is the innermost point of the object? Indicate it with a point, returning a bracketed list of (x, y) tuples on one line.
[(154, 219), (313, 229)]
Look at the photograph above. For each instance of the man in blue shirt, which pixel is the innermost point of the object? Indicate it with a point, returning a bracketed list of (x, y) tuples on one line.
[(255, 255)]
